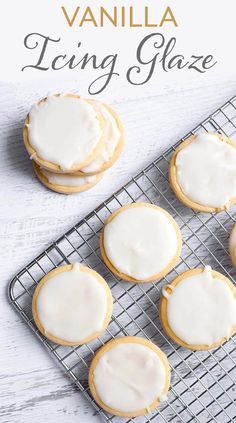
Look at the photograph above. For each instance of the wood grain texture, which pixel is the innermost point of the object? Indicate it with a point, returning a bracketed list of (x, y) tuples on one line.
[(31, 217)]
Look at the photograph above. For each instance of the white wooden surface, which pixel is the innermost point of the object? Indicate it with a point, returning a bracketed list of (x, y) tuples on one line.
[(32, 387)]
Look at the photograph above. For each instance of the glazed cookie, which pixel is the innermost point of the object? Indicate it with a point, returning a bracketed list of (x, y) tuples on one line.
[(113, 140), (203, 172), (198, 309), (65, 183), (129, 376), (232, 245), (63, 133), (140, 242), (72, 305)]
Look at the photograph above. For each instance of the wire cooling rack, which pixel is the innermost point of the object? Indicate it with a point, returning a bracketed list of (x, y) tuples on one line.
[(202, 382)]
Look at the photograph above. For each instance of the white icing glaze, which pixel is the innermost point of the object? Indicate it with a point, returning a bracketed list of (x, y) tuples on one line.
[(129, 377), (201, 309), (140, 241), (232, 244), (67, 180), (72, 305), (111, 139), (206, 171), (164, 291), (64, 130)]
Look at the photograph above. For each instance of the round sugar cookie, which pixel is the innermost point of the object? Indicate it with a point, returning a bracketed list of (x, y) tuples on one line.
[(202, 172), (113, 141), (63, 133), (72, 305), (129, 376), (198, 309), (64, 183), (232, 245), (140, 242)]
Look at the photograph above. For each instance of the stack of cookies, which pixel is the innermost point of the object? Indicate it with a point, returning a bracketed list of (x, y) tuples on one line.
[(72, 141)]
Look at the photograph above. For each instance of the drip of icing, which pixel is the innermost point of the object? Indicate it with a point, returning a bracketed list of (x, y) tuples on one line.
[(207, 271), (164, 291), (163, 398), (129, 377), (206, 171), (202, 309), (111, 139), (67, 180), (64, 130), (140, 241), (72, 305), (32, 156)]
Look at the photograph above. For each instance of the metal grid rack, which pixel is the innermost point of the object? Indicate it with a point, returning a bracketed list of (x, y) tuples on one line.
[(203, 382)]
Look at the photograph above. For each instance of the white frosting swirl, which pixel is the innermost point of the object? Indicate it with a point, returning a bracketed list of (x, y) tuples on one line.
[(67, 180)]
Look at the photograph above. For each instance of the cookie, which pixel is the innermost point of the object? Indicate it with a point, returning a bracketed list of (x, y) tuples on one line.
[(232, 245), (63, 133), (72, 305), (65, 183), (140, 242), (129, 376), (203, 172), (113, 141), (198, 309)]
